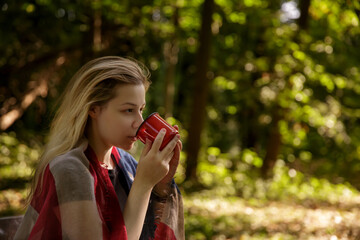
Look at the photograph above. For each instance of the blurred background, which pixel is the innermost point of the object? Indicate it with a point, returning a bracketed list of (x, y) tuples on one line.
[(266, 94)]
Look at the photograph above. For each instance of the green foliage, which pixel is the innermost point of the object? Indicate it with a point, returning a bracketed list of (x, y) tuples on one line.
[(226, 177), (17, 162), (291, 184), (261, 63)]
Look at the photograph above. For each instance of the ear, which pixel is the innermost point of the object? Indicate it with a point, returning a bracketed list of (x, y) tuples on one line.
[(94, 111)]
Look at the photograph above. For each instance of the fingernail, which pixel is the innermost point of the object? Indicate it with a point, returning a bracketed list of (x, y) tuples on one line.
[(163, 130)]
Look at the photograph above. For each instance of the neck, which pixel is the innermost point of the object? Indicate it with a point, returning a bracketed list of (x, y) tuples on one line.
[(102, 151)]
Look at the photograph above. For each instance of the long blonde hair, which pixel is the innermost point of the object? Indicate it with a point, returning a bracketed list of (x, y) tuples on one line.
[(94, 84)]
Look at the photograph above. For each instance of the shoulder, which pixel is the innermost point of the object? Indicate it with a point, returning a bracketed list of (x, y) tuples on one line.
[(73, 180), (74, 160), (127, 161)]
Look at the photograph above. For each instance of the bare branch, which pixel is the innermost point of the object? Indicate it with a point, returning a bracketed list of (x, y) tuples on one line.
[(41, 89)]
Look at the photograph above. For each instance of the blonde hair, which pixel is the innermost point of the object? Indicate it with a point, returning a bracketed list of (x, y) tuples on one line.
[(94, 84)]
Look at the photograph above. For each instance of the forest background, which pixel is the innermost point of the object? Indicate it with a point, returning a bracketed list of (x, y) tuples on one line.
[(266, 94)]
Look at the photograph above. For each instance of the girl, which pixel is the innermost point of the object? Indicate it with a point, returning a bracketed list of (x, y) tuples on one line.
[(85, 186)]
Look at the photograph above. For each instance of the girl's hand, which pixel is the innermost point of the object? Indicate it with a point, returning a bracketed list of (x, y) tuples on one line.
[(163, 187), (154, 164)]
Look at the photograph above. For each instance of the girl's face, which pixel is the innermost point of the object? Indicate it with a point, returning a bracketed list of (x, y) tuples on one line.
[(116, 123)]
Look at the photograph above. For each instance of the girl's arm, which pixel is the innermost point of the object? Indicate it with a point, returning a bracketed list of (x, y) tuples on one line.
[(153, 166)]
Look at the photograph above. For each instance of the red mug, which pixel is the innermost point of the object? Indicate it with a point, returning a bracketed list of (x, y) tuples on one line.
[(151, 126)]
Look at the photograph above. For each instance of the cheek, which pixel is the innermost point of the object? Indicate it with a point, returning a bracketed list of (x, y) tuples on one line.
[(106, 124), (115, 126)]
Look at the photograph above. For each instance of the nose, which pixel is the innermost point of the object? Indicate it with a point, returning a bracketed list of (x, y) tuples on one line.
[(139, 119)]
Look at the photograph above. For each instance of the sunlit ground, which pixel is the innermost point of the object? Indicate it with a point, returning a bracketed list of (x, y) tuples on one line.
[(215, 218), (235, 218)]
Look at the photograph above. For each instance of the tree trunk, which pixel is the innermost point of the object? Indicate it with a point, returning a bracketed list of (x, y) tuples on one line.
[(273, 145), (200, 94), (250, 129), (171, 50), (97, 41), (304, 17)]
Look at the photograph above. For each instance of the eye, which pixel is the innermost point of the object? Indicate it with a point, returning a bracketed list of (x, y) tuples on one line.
[(129, 110)]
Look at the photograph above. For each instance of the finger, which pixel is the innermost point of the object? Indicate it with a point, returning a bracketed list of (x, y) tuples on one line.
[(179, 143), (176, 156), (170, 157), (146, 148), (170, 146), (158, 140), (176, 127), (177, 150)]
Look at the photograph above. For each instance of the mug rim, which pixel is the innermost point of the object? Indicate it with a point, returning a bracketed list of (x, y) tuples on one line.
[(137, 131)]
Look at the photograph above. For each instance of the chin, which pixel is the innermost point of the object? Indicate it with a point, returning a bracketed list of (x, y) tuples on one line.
[(126, 147)]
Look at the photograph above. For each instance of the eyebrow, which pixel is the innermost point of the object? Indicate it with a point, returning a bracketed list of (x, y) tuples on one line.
[(132, 104)]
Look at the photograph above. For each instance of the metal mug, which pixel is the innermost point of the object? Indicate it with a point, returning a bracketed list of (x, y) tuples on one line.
[(151, 127)]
